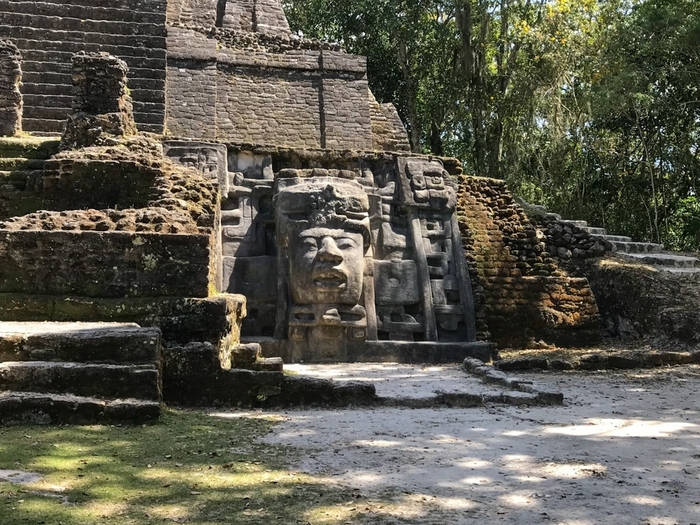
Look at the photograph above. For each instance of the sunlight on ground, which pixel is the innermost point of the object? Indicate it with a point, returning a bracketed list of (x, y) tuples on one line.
[(515, 433), (476, 481), (516, 499), (622, 428), (644, 500), (380, 443), (248, 415), (105, 509), (407, 506), (473, 463)]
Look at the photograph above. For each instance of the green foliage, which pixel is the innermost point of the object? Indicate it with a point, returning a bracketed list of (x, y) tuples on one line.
[(590, 107)]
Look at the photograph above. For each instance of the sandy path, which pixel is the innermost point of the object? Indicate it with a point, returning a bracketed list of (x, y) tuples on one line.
[(625, 449)]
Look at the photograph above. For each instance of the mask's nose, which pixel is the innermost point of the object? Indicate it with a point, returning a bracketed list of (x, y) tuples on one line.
[(329, 251)]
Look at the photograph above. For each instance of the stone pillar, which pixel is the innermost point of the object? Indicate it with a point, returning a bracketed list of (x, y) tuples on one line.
[(102, 106), (10, 96)]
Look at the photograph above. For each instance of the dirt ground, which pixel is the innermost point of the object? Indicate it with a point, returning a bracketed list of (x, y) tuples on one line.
[(624, 449)]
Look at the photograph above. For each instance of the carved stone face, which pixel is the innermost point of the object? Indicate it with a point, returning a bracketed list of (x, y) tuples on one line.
[(326, 266)]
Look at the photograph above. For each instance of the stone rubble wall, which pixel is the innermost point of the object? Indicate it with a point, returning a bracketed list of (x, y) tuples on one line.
[(521, 295), (48, 34), (10, 96), (566, 241), (154, 233)]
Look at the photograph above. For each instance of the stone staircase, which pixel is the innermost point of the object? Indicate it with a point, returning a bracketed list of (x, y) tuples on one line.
[(79, 373), (648, 253)]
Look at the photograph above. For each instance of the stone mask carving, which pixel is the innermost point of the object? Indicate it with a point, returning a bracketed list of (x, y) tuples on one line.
[(324, 221), (326, 266)]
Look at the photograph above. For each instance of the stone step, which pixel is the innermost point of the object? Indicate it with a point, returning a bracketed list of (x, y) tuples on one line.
[(43, 408), (78, 11), (664, 259), (115, 343), (99, 380), (45, 126), (689, 274), (137, 6), (422, 386), (595, 231), (578, 224), (28, 148), (20, 163), (48, 100), (637, 247), (613, 238)]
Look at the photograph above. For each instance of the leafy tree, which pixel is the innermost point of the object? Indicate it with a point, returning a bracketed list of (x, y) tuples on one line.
[(590, 107)]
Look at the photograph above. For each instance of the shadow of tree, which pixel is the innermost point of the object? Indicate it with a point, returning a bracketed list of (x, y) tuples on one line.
[(626, 450), (188, 468)]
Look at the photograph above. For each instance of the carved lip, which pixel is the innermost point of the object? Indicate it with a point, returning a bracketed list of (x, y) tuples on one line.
[(329, 279)]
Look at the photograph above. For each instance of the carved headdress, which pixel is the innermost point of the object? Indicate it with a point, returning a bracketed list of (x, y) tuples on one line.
[(322, 202)]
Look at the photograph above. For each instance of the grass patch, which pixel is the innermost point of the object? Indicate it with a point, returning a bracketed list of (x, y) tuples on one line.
[(190, 467)]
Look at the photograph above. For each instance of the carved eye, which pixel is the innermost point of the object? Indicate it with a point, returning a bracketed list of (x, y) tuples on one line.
[(346, 243), (309, 244)]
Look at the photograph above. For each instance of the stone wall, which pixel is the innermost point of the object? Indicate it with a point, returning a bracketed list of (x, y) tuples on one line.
[(48, 34), (104, 264), (304, 98), (521, 294), (262, 16), (102, 108)]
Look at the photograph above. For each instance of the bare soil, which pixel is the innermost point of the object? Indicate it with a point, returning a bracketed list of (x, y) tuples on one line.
[(625, 449)]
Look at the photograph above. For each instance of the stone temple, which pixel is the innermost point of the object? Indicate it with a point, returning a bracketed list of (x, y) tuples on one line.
[(198, 196)]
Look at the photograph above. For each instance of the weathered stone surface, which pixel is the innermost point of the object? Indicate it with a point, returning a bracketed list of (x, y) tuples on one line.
[(104, 264), (215, 319), (131, 188), (521, 294), (639, 301), (388, 132), (11, 103), (193, 376), (100, 380), (102, 108), (305, 391)]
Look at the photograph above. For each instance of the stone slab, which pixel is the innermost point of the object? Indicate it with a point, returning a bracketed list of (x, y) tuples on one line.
[(393, 351), (99, 380), (665, 259), (636, 247), (82, 342), (419, 386), (42, 408), (394, 380)]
